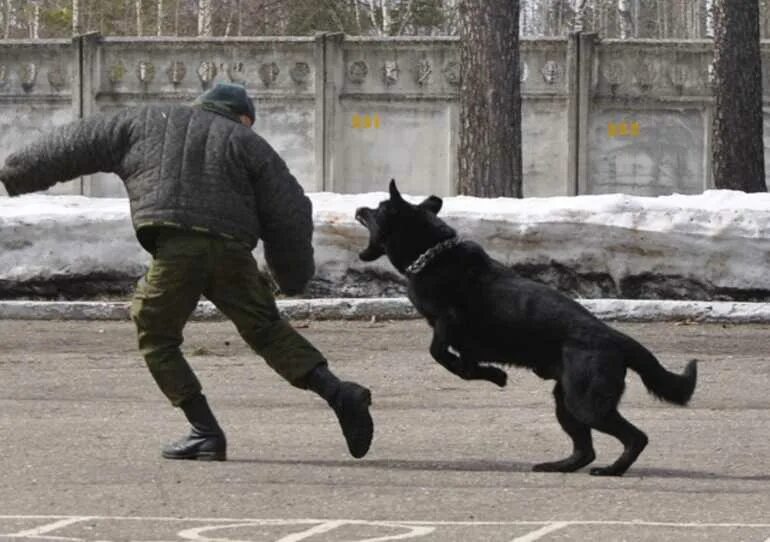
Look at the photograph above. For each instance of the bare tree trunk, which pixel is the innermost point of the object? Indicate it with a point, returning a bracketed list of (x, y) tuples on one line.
[(357, 12), (7, 13), (176, 17), (34, 21), (489, 153), (75, 17), (373, 16), (386, 22), (138, 9), (159, 31), (239, 15), (230, 16), (204, 18), (710, 18), (738, 150), (405, 17), (580, 7), (626, 22)]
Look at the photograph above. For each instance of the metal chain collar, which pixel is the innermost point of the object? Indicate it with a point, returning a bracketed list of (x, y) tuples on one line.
[(426, 257)]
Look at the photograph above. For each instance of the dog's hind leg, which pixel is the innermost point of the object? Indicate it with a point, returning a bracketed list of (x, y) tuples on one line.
[(634, 441), (593, 382), (580, 433)]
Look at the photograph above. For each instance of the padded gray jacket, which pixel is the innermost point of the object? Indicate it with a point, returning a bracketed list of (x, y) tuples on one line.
[(187, 167)]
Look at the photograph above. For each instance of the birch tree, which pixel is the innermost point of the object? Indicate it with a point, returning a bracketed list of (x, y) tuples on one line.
[(386, 20), (626, 19), (204, 18), (139, 18), (373, 16), (6, 18), (159, 26), (357, 14), (34, 20), (75, 17)]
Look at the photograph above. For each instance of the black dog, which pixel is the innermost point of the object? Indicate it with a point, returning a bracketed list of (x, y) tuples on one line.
[(482, 312)]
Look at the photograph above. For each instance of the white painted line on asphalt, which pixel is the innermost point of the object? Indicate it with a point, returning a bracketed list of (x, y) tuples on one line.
[(49, 527), (318, 529), (197, 533), (540, 533), (415, 529), (323, 526)]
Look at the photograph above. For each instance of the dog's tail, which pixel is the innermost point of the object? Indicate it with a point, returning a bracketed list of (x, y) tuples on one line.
[(659, 381)]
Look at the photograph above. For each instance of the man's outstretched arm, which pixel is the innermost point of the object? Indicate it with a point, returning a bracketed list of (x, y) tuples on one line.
[(79, 148)]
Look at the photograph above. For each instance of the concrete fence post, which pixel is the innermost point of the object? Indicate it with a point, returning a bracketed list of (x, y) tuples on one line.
[(329, 81), (581, 51), (573, 99), (86, 51), (587, 43)]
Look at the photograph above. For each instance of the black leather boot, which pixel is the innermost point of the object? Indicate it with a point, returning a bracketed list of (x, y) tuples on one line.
[(350, 403), (206, 441)]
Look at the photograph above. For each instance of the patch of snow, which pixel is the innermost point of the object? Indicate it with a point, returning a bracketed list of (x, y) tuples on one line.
[(720, 238)]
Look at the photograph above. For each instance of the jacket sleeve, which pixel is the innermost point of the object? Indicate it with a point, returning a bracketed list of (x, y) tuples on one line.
[(79, 148), (286, 219)]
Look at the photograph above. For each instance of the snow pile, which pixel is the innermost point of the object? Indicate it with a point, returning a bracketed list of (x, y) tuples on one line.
[(710, 246)]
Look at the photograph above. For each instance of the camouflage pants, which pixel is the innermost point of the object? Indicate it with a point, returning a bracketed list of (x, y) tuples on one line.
[(187, 265)]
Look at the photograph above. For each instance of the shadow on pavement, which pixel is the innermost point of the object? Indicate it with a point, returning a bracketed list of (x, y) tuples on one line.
[(481, 465), (470, 465)]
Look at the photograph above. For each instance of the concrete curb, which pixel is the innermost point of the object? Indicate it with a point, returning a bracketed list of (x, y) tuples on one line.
[(399, 308)]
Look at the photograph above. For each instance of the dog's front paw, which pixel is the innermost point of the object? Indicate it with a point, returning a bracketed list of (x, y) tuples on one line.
[(496, 376)]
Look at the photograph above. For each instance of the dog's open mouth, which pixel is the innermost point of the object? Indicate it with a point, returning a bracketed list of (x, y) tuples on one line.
[(362, 217), (372, 251)]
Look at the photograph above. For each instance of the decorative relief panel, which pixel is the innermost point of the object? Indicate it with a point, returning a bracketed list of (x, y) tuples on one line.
[(452, 73), (176, 72), (116, 73), (552, 72), (390, 72), (207, 71), (634, 73), (268, 73), (614, 73), (423, 72), (28, 76), (357, 72), (645, 74), (3, 76), (682, 75), (56, 78), (236, 72), (145, 72), (300, 73)]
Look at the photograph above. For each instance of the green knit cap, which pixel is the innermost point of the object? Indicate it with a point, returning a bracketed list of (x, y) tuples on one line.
[(228, 100)]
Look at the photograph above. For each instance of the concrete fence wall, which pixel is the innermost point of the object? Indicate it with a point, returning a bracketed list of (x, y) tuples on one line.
[(350, 113)]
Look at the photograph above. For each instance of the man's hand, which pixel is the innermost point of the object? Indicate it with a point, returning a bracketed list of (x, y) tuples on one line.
[(293, 292), (6, 177)]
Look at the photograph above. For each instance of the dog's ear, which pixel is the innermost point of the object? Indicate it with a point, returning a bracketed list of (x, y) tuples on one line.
[(395, 195), (432, 204)]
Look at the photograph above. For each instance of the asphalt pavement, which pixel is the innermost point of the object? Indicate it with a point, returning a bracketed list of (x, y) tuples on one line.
[(82, 423)]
